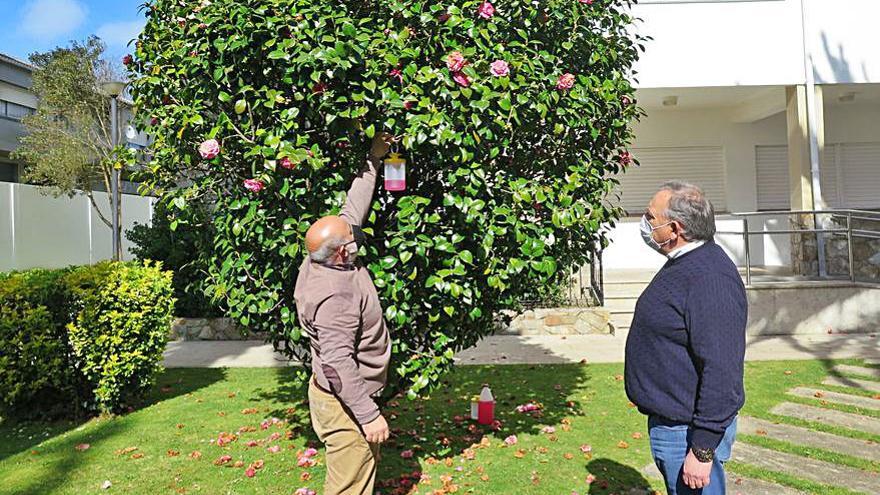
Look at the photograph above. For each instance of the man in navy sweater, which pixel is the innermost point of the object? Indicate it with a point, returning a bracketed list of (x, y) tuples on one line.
[(686, 344)]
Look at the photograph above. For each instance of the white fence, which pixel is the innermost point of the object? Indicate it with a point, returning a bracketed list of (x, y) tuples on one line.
[(37, 230)]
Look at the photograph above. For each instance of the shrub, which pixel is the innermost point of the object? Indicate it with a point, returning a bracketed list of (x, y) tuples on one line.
[(182, 250), (513, 122), (80, 339), (37, 376), (120, 328)]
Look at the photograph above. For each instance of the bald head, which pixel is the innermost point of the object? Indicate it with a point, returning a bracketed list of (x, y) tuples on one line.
[(325, 236)]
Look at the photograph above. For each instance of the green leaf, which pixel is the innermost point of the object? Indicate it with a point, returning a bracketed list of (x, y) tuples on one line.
[(240, 106), (370, 131)]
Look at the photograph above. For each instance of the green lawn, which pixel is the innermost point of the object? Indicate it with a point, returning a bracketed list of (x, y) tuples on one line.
[(189, 408)]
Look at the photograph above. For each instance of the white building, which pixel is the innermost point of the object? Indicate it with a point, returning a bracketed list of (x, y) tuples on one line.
[(36, 229), (745, 98)]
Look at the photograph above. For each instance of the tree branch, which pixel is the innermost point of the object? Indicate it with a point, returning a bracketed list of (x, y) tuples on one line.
[(98, 210)]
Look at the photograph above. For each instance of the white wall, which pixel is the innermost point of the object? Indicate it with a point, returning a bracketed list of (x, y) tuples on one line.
[(843, 40), (42, 231), (735, 43)]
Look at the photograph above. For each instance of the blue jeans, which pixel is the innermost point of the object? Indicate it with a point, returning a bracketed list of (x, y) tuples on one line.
[(670, 444)]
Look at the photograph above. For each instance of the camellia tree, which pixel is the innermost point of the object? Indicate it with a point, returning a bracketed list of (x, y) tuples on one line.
[(513, 117)]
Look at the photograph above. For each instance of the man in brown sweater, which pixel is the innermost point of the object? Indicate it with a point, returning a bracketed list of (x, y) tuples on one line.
[(339, 309)]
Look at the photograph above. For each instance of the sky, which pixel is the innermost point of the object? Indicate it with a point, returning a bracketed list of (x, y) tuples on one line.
[(27, 26)]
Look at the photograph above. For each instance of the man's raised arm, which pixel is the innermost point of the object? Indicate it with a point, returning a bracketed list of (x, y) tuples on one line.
[(360, 195)]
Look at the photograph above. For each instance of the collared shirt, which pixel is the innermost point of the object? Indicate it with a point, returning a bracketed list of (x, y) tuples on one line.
[(675, 253)]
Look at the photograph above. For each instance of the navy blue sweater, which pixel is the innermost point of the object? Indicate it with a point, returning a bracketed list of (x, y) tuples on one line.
[(686, 344)]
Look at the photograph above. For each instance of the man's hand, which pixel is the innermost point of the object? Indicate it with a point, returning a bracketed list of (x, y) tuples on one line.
[(695, 473), (381, 145), (376, 431)]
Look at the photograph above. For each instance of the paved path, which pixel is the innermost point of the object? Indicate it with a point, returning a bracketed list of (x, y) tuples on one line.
[(806, 468), (822, 396), (538, 349)]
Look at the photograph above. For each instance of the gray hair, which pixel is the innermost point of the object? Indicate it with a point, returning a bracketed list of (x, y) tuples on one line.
[(692, 209), (327, 249)]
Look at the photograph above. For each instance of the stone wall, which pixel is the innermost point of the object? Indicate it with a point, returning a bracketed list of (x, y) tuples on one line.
[(866, 251), (561, 321), (209, 329)]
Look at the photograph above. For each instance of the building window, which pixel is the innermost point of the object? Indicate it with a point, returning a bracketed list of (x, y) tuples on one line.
[(14, 111), (8, 172)]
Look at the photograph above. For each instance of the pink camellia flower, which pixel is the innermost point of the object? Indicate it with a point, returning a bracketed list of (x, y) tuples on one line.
[(588, 2), (396, 73), (319, 88), (250, 472), (565, 81), (254, 185), (406, 454), (486, 10), (127, 59), (305, 462), (455, 61), (548, 429), (499, 68), (209, 149), (511, 440), (304, 491), (461, 79), (626, 101), (253, 443), (409, 105), (586, 449), (625, 158), (310, 452), (527, 408), (590, 479), (154, 121), (274, 449), (286, 163)]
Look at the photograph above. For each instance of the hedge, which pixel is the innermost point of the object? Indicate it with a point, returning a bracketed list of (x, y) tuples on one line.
[(81, 340)]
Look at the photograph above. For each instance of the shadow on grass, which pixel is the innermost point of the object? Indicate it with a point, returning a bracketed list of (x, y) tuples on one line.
[(20, 436), (439, 427), (614, 477), (289, 396)]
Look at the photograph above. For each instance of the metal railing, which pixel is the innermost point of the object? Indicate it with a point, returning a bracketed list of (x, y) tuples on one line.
[(848, 231)]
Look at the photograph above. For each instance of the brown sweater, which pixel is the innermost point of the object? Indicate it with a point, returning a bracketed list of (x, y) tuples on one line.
[(339, 310)]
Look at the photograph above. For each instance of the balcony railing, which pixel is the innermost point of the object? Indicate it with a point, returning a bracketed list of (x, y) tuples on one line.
[(848, 230)]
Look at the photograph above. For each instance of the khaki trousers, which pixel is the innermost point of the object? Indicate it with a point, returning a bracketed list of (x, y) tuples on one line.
[(351, 460)]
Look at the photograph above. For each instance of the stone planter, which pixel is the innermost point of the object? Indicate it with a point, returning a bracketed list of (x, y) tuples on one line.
[(209, 329)]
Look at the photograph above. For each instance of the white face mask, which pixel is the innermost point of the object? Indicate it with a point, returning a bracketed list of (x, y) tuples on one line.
[(648, 235)]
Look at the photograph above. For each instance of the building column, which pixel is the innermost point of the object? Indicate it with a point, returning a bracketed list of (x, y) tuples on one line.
[(805, 151)]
